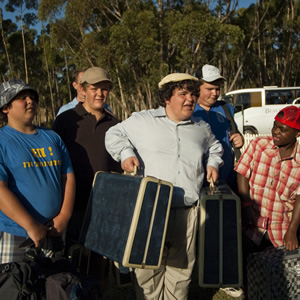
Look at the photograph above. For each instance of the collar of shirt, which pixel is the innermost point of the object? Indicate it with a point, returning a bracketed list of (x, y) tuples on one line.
[(81, 111), (295, 154), (161, 113)]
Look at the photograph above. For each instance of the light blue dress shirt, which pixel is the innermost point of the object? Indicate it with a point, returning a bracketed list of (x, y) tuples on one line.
[(68, 106), (167, 150)]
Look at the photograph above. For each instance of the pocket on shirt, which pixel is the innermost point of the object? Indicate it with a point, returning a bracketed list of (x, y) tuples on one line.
[(287, 191)]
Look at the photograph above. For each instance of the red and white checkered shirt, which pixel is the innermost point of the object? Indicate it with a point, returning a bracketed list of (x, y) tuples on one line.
[(274, 184)]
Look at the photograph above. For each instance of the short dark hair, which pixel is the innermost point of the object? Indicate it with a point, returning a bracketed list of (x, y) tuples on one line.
[(3, 116), (167, 90), (76, 74)]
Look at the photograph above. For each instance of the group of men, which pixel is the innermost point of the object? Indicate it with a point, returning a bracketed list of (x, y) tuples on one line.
[(187, 141)]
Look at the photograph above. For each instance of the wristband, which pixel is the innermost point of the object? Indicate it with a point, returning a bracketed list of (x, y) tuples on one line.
[(246, 204)]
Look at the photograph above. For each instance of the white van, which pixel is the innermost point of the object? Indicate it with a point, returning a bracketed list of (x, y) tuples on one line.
[(256, 108)]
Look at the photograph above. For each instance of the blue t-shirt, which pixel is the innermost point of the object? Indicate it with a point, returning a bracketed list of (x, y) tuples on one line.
[(32, 166), (220, 127)]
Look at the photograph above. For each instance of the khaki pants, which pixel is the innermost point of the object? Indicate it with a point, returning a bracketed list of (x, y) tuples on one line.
[(172, 279)]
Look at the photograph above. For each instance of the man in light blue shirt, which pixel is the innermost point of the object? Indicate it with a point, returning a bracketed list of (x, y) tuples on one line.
[(79, 97), (167, 144)]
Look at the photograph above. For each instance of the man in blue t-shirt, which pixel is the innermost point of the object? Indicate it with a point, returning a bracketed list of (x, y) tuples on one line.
[(37, 184), (212, 111)]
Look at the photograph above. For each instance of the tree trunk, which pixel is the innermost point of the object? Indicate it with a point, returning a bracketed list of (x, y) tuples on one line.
[(49, 80), (4, 44), (24, 45), (68, 78)]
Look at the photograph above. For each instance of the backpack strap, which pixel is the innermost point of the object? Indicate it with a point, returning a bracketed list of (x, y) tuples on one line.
[(233, 128)]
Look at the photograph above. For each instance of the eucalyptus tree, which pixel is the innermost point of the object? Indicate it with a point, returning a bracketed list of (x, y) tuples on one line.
[(4, 43), (27, 18), (6, 65)]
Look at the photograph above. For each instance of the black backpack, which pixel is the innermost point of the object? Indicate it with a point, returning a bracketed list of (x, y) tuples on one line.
[(17, 282), (42, 278)]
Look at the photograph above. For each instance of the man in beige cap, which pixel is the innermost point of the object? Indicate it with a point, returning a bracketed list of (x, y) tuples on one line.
[(171, 147), (83, 129)]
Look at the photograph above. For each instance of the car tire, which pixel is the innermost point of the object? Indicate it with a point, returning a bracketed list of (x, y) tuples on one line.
[(250, 130)]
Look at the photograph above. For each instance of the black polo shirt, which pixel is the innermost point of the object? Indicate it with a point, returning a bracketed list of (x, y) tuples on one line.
[(84, 138)]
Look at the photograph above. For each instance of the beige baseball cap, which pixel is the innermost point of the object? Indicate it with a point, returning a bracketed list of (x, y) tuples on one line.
[(175, 77), (94, 75)]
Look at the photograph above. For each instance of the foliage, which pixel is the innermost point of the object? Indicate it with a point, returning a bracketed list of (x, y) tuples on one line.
[(139, 42)]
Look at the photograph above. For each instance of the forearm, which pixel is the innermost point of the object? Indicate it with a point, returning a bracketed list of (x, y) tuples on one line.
[(290, 239), (295, 221), (13, 209), (59, 224), (243, 188), (68, 185), (215, 153), (117, 142)]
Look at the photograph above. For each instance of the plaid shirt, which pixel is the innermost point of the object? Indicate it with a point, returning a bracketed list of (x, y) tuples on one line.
[(274, 184)]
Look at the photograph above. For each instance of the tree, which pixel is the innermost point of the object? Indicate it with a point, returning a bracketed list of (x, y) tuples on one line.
[(28, 19)]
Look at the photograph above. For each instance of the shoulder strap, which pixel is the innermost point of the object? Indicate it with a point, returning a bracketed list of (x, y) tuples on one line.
[(233, 128)]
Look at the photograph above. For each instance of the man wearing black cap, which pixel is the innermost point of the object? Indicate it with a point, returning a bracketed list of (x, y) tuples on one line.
[(37, 184), (171, 147)]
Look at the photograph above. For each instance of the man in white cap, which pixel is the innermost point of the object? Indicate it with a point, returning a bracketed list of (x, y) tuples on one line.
[(37, 183), (171, 147), (83, 130), (213, 112)]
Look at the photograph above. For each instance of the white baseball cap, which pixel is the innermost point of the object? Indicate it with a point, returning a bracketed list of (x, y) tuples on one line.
[(211, 73)]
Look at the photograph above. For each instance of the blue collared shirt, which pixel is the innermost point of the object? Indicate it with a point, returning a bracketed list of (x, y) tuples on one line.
[(220, 127), (68, 106), (167, 150)]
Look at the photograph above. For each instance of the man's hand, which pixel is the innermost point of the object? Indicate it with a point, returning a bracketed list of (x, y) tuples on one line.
[(211, 172), (237, 140), (37, 233), (129, 163), (57, 226), (290, 240)]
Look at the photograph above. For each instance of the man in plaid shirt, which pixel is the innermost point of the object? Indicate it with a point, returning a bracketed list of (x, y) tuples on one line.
[(269, 185)]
